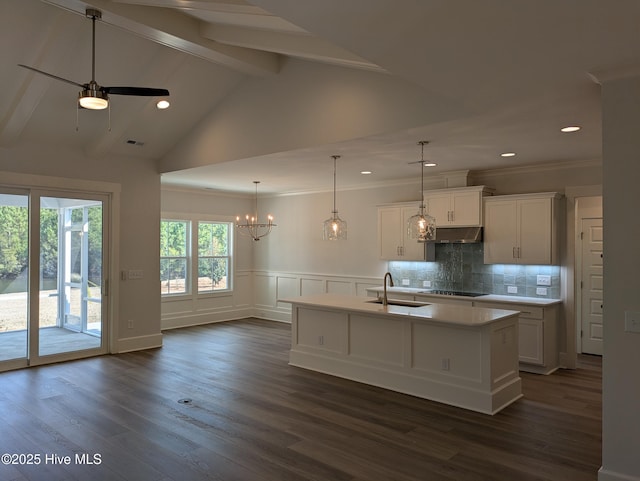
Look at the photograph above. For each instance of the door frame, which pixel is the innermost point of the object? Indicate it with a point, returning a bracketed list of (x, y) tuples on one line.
[(35, 196), (586, 208), (57, 186)]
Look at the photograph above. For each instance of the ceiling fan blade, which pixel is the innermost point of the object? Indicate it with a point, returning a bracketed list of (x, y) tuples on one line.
[(140, 91), (52, 76)]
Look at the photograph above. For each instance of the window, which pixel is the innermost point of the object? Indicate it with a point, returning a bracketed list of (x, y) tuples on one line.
[(195, 253), (174, 256), (213, 256)]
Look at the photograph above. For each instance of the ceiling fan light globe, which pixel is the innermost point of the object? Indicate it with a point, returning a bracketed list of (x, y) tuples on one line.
[(93, 99)]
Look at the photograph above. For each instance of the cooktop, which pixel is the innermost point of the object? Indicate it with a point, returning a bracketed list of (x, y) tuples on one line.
[(452, 293)]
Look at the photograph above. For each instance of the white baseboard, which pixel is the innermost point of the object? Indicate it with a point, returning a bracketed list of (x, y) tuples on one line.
[(137, 343), (607, 475), (200, 319)]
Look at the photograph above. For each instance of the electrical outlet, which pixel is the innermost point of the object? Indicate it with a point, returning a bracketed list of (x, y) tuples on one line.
[(445, 364), (426, 283), (541, 291), (632, 321), (512, 289), (543, 280), (406, 282)]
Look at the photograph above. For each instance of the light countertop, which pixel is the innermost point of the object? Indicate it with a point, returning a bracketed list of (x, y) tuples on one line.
[(441, 313), (532, 301)]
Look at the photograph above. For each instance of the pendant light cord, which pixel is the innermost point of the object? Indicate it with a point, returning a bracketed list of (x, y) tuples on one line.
[(335, 158), (422, 142)]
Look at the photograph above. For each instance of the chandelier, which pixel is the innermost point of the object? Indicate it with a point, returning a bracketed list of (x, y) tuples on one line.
[(421, 226), (251, 226), (334, 227)]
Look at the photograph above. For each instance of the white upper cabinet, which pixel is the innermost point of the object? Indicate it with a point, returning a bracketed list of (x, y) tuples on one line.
[(456, 207), (393, 236), (461, 206), (521, 229)]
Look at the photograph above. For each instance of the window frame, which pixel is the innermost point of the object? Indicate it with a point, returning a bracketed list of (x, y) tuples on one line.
[(197, 257), (188, 285), (194, 221)]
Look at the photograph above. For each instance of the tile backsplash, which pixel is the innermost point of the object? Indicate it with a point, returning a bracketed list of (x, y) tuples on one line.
[(461, 267)]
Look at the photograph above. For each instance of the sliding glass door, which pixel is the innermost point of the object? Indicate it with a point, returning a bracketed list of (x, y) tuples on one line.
[(70, 274), (52, 296), (14, 275)]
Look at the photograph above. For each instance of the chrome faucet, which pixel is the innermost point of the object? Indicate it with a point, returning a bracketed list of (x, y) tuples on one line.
[(385, 301)]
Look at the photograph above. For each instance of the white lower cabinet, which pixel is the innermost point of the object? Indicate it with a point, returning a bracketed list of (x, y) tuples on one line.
[(538, 336), (537, 327)]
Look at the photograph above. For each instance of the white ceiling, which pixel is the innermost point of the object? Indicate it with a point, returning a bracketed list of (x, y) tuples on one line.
[(516, 71)]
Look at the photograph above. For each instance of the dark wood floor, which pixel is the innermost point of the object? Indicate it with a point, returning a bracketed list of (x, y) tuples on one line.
[(253, 417)]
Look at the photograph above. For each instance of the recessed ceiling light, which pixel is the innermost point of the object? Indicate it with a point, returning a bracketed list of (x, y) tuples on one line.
[(366, 172), (570, 128), (508, 154), (163, 104)]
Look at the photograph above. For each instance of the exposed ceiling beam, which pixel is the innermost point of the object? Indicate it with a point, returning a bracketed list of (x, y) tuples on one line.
[(295, 45), (225, 6), (177, 31)]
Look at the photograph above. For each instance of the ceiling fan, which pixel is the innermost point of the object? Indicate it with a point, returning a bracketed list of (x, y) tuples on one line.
[(93, 96)]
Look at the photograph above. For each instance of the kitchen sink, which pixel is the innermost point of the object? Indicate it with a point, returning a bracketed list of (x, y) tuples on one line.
[(400, 302)]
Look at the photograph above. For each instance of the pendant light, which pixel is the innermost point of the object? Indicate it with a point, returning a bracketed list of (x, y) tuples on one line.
[(251, 226), (422, 227), (334, 227)]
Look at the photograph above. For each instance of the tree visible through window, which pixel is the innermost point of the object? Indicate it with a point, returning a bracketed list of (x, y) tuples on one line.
[(174, 251), (213, 256), (195, 256)]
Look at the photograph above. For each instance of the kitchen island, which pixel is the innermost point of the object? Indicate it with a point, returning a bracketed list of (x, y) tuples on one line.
[(458, 355)]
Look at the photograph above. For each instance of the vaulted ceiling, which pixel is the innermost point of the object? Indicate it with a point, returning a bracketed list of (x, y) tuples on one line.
[(270, 89)]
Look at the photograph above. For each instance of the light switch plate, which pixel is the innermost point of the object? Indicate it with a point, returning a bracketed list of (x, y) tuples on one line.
[(426, 283), (543, 280), (512, 289), (541, 291), (632, 321), (136, 274), (406, 282)]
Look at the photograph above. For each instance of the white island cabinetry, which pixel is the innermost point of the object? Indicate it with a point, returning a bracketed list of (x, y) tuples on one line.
[(463, 356), (538, 322), (538, 338)]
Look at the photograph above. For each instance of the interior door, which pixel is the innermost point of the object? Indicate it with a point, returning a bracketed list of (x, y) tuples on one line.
[(591, 303)]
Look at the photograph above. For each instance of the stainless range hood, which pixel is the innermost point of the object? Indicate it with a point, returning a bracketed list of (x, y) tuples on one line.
[(457, 235)]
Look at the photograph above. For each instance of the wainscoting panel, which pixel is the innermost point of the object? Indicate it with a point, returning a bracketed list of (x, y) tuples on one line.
[(310, 287), (256, 294), (340, 287)]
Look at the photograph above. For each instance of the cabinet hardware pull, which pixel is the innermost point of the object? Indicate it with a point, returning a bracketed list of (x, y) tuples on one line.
[(514, 252)]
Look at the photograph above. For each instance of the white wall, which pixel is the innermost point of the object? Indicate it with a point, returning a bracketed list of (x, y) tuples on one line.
[(136, 231), (307, 104), (294, 259), (621, 198), (193, 309)]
